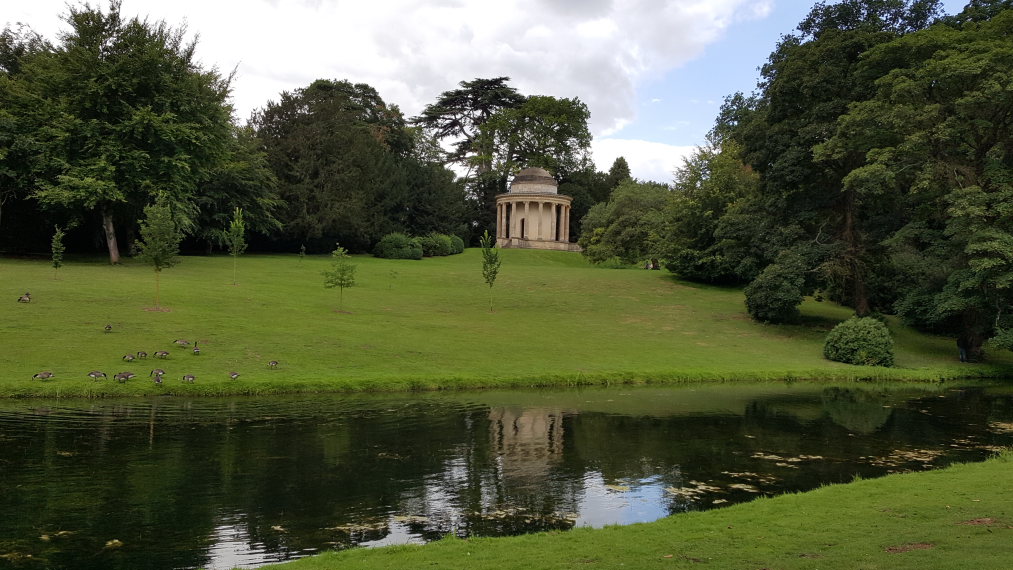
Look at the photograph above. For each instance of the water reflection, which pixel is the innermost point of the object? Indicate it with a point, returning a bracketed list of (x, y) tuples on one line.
[(169, 483)]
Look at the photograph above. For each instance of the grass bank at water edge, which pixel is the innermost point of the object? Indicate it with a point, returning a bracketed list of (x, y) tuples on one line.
[(956, 518), (410, 325)]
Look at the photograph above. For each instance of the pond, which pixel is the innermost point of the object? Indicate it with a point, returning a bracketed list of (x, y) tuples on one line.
[(217, 483)]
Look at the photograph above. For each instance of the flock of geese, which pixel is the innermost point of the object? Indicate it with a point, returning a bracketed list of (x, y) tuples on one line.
[(156, 374)]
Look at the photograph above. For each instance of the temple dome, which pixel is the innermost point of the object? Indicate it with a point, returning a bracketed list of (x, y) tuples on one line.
[(534, 181)]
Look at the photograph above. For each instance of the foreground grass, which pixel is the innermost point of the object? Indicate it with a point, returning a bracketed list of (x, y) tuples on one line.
[(411, 325), (955, 518)]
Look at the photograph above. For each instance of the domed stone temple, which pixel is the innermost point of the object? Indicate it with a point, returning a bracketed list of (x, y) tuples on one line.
[(533, 214)]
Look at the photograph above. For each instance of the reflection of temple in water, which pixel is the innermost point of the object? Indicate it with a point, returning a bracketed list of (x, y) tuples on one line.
[(528, 442)]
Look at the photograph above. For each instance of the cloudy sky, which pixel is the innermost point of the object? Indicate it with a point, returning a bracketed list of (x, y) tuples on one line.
[(652, 72)]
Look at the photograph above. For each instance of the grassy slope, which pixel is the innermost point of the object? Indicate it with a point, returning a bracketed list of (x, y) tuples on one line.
[(956, 518), (556, 320), (410, 324)]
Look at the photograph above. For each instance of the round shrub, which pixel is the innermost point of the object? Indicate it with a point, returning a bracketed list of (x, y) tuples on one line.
[(775, 294), (436, 244), (458, 244), (860, 340), (398, 246)]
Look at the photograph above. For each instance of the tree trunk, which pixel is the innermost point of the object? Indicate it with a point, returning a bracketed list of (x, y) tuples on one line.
[(157, 275), (110, 231), (859, 294), (972, 337), (853, 261)]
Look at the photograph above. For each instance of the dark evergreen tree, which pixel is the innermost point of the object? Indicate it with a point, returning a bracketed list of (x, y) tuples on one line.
[(350, 170)]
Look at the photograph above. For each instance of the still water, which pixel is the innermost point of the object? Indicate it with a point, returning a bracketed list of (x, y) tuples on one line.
[(217, 483)]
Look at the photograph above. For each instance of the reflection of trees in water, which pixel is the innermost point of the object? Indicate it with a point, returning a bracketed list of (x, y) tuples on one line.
[(860, 411), (291, 479)]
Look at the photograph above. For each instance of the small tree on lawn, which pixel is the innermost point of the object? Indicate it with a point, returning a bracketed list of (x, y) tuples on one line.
[(341, 274), (159, 243), (235, 238), (490, 263), (58, 249)]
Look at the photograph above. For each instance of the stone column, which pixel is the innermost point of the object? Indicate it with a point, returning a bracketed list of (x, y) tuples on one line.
[(499, 220), (527, 220), (515, 222), (552, 221), (510, 217), (541, 212), (565, 237)]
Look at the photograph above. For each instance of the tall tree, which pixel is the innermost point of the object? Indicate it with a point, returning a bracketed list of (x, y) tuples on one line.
[(710, 181), (939, 129), (630, 226), (543, 131), (138, 116), (26, 137), (618, 173), (243, 180), (808, 82), (459, 114), (349, 168)]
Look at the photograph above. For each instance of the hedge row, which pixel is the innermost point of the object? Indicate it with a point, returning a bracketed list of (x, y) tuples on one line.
[(402, 246)]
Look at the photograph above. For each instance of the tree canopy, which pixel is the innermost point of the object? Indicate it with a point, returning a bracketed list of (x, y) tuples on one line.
[(122, 111), (459, 114), (350, 169)]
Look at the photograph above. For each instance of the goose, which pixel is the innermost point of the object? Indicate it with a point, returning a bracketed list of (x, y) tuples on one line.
[(158, 378), (273, 364), (142, 354), (44, 375), (96, 374), (124, 376), (109, 328), (233, 375), (157, 372), (181, 342), (189, 378), (196, 351), (161, 354), (128, 357), (26, 298)]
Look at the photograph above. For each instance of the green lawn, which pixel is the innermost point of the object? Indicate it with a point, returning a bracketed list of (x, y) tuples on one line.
[(956, 518), (410, 325)]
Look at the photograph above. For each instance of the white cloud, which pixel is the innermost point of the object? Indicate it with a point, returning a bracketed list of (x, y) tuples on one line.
[(648, 160), (411, 51)]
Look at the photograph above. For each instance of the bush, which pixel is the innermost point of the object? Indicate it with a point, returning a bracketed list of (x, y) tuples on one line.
[(458, 244), (436, 244), (859, 340), (775, 294), (398, 246)]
